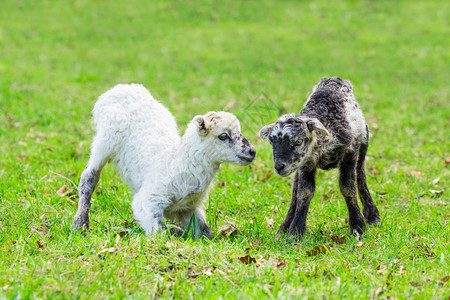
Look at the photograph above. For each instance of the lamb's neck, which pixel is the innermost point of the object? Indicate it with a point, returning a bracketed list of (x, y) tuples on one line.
[(192, 160)]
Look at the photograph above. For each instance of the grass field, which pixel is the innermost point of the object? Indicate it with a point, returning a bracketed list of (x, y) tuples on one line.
[(254, 58)]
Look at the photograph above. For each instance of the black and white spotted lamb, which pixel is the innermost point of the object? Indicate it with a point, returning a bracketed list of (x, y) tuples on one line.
[(329, 132)]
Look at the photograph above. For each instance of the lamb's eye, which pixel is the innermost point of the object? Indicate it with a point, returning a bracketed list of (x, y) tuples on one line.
[(297, 142), (223, 136)]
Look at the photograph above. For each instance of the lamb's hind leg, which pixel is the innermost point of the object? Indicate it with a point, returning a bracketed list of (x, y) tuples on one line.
[(370, 211), (88, 180), (347, 184)]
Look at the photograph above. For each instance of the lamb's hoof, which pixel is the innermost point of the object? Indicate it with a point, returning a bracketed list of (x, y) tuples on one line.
[(371, 215), (207, 235), (294, 237), (358, 231), (282, 231), (79, 224), (357, 225), (176, 231), (373, 220)]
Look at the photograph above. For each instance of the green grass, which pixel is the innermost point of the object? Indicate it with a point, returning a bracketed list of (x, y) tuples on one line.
[(56, 57)]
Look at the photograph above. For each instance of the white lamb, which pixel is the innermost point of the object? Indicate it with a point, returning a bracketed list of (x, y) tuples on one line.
[(170, 176)]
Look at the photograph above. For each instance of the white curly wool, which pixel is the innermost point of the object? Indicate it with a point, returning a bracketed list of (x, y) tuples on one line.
[(169, 175)]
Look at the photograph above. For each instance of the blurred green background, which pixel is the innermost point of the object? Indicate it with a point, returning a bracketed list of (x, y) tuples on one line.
[(257, 59)]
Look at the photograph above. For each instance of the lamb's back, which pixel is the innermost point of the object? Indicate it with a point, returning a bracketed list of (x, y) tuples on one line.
[(144, 130), (333, 103), (133, 108)]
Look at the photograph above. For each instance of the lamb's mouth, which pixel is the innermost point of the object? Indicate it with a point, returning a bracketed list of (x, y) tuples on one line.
[(248, 159), (284, 173)]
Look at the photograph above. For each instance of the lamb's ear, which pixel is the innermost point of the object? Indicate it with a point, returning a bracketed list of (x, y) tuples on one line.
[(203, 128), (265, 131), (316, 125)]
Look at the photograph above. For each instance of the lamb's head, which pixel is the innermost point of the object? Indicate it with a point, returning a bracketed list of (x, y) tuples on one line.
[(292, 140), (221, 138)]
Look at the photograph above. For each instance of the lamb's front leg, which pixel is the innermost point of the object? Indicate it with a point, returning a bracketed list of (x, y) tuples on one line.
[(195, 222), (347, 184), (305, 192), (203, 227), (148, 210), (284, 227)]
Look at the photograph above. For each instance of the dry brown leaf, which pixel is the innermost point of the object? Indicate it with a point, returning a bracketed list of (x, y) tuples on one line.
[(447, 162), (218, 271), (261, 261), (64, 190), (437, 193), (40, 245), (338, 239), (378, 292), (119, 231), (382, 194), (256, 242), (128, 223), (393, 262), (191, 274), (230, 105), (221, 183), (42, 229), (228, 229), (270, 222), (208, 271), (20, 157), (359, 244), (416, 173), (325, 197), (381, 269), (427, 251), (236, 184), (247, 259), (133, 252), (375, 171), (444, 280), (266, 177), (277, 265), (317, 250), (435, 182), (410, 131), (434, 202), (108, 250)]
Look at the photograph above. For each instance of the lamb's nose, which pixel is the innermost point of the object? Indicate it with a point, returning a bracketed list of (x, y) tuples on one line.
[(280, 166), (252, 152)]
